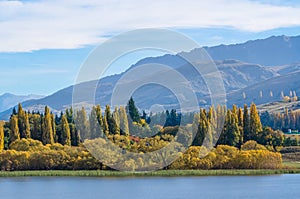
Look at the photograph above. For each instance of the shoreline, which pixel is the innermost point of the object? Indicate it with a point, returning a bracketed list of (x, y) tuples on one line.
[(161, 173)]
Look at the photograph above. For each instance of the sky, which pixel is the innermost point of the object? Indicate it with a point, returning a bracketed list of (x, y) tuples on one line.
[(43, 43)]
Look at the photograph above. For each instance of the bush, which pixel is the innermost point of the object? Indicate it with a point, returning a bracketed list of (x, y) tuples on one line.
[(252, 145)]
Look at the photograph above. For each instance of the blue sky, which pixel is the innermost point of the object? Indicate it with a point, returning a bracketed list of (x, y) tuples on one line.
[(44, 43)]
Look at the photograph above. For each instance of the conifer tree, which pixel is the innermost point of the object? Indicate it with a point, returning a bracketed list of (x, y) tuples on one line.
[(133, 111), (230, 134), (75, 137), (47, 136), (36, 130), (112, 126), (14, 129), (65, 131)]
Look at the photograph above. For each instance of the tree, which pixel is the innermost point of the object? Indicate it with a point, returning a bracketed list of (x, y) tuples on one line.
[(246, 123), (1, 137), (230, 134), (116, 117), (241, 125), (100, 119), (54, 128), (95, 129), (255, 124), (47, 136), (133, 111), (36, 129), (124, 128), (23, 122), (112, 125), (81, 124), (14, 134), (65, 131)]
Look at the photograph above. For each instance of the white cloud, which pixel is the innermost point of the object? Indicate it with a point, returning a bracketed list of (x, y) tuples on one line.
[(67, 24)]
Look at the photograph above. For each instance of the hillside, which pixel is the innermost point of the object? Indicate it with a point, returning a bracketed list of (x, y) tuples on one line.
[(8, 100), (243, 67)]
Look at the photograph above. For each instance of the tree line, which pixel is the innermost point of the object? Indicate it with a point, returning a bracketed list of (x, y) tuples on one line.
[(220, 125), (34, 140)]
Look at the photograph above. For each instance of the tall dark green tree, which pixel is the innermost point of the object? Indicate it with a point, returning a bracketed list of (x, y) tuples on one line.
[(36, 129), (133, 111), (230, 134), (112, 125)]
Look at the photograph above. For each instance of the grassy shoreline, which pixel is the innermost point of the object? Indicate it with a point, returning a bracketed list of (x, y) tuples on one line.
[(164, 173)]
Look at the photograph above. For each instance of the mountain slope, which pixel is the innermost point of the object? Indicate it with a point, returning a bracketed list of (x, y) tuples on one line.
[(239, 77), (8, 100), (273, 51), (270, 90), (236, 75)]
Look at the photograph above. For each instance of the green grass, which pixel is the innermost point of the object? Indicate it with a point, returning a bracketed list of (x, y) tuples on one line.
[(291, 165), (164, 173)]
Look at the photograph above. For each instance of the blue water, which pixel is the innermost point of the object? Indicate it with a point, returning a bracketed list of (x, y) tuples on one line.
[(277, 186)]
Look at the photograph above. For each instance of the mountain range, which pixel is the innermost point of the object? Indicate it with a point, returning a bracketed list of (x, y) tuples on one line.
[(8, 100), (257, 71)]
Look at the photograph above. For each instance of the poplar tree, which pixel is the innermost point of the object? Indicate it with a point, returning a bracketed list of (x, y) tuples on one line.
[(1, 137), (14, 129), (23, 122), (116, 118), (246, 124), (94, 124), (55, 138), (255, 124), (65, 131), (47, 136), (81, 124), (241, 125), (105, 126), (124, 128)]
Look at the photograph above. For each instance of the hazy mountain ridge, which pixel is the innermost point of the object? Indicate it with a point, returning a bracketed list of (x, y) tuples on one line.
[(8, 100), (244, 81)]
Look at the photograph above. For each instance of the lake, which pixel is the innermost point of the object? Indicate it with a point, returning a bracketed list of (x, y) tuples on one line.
[(275, 186)]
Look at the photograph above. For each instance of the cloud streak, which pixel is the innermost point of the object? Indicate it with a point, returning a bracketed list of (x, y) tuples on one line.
[(53, 24)]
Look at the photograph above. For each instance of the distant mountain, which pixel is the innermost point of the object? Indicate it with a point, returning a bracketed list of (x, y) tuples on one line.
[(267, 91), (249, 79), (9, 100), (236, 75), (273, 51)]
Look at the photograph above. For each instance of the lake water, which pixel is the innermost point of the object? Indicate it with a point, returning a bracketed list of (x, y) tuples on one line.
[(277, 186)]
